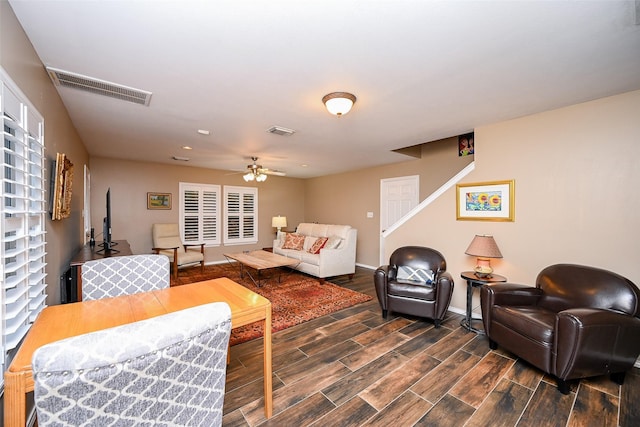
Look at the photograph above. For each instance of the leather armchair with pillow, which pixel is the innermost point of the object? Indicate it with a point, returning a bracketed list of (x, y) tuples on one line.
[(577, 322), (415, 282)]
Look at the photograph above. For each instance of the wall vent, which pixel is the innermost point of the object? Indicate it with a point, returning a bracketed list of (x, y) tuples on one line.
[(279, 130), (99, 87)]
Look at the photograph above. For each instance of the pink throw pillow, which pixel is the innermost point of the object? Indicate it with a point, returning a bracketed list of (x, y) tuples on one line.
[(317, 245), (293, 241)]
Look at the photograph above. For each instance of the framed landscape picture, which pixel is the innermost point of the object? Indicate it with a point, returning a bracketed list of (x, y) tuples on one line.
[(486, 201), (158, 200)]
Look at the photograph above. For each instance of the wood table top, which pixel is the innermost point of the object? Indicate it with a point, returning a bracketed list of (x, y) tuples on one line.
[(262, 260), (67, 320)]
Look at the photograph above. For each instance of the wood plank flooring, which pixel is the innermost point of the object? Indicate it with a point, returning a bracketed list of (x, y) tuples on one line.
[(353, 368)]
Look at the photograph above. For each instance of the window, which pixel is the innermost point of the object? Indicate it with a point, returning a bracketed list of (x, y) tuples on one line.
[(22, 216), (200, 213), (241, 215)]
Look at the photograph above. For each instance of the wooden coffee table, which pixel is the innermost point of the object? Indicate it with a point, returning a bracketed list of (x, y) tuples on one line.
[(260, 261)]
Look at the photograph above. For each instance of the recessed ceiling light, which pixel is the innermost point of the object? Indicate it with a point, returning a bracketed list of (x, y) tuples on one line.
[(203, 132), (186, 147)]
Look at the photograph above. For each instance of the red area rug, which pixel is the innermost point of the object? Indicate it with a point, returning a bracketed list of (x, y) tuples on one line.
[(297, 299)]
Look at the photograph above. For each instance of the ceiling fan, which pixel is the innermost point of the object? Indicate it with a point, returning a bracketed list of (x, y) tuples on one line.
[(258, 173)]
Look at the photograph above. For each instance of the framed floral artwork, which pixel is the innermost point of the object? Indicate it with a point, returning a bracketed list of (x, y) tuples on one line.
[(486, 201)]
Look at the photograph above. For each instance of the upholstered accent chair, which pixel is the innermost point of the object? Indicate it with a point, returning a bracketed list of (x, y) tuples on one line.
[(168, 370), (576, 322), (167, 241), (415, 282), (124, 275)]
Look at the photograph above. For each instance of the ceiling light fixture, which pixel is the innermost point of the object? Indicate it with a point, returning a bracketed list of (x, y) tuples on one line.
[(255, 172), (339, 103)]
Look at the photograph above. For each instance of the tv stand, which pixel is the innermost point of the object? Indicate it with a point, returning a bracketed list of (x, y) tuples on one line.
[(73, 286), (108, 248)]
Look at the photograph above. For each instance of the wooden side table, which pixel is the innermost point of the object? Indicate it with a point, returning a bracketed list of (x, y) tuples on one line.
[(473, 281)]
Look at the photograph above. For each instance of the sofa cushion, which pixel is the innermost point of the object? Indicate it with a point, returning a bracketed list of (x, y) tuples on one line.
[(323, 230), (333, 242), (317, 245), (293, 241)]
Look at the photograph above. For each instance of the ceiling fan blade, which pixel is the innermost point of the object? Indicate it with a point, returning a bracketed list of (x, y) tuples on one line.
[(275, 172)]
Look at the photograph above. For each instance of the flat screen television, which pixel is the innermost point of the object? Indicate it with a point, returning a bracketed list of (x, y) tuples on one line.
[(107, 243)]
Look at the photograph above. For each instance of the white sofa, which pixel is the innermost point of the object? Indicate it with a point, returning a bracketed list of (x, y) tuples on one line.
[(331, 261)]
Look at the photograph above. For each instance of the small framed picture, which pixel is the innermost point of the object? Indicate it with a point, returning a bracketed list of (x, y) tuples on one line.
[(486, 201), (465, 145), (158, 200)]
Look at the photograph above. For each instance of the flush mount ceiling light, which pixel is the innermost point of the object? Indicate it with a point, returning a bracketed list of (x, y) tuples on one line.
[(339, 103)]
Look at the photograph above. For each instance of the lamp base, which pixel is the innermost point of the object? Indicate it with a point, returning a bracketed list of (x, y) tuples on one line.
[(483, 269)]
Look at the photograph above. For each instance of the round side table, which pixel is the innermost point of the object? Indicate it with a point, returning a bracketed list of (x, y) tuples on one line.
[(473, 281)]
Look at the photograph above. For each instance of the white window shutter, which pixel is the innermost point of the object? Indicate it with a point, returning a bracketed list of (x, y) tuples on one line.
[(200, 213), (22, 216), (241, 209)]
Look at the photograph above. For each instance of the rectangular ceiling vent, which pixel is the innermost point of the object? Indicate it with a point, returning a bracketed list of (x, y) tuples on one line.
[(98, 87), (279, 130)]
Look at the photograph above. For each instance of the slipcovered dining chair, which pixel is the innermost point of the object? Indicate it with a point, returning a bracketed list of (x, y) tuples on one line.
[(168, 370), (415, 282), (576, 322), (124, 275), (167, 241)]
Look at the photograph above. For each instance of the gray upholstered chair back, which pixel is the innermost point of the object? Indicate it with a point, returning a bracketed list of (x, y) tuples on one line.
[(168, 370), (125, 275)]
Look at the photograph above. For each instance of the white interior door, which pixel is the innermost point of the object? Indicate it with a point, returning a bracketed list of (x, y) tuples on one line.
[(397, 197)]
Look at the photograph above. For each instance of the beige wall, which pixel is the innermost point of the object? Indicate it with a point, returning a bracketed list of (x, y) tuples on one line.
[(346, 198), (131, 220), (576, 174), (20, 61)]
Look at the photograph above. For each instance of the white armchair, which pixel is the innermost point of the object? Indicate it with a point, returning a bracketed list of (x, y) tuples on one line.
[(167, 241)]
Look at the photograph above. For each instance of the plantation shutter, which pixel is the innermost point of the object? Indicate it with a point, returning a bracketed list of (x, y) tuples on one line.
[(241, 213), (22, 217), (200, 213)]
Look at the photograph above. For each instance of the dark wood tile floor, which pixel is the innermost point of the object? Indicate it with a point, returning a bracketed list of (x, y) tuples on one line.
[(353, 368)]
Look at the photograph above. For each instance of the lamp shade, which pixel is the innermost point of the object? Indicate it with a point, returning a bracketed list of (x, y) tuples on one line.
[(339, 103), (483, 246), (279, 221)]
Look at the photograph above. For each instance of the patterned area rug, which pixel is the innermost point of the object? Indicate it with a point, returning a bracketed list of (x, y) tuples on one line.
[(297, 299)]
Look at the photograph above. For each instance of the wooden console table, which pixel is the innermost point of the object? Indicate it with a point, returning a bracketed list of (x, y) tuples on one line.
[(88, 253)]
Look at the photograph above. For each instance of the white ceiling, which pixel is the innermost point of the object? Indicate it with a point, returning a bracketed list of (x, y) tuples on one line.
[(421, 70)]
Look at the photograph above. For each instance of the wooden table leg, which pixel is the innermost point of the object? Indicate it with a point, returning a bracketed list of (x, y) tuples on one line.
[(268, 386), (15, 400)]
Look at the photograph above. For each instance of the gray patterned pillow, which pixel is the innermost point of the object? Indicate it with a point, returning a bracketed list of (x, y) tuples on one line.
[(414, 275)]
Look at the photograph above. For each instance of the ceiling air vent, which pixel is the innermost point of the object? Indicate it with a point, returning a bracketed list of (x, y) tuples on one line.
[(98, 87), (279, 130)]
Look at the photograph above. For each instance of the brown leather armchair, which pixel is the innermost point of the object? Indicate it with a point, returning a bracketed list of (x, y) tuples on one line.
[(415, 282), (577, 322)]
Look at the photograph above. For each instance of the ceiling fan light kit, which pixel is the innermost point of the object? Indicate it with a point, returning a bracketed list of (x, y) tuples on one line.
[(255, 172), (339, 103)]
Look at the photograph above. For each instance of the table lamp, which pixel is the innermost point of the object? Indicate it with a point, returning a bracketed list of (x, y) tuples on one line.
[(279, 222), (484, 247)]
